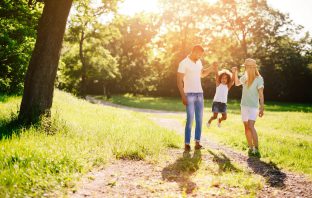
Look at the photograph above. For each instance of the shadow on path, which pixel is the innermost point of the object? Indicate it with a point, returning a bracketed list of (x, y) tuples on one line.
[(223, 162), (275, 177), (182, 169)]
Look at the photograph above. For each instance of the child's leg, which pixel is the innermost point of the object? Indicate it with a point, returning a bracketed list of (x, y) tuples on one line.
[(215, 116), (224, 116)]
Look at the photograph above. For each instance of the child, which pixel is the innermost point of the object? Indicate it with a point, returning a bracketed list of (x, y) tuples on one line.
[(224, 82)]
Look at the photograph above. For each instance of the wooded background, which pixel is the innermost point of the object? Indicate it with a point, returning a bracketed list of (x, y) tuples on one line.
[(140, 54)]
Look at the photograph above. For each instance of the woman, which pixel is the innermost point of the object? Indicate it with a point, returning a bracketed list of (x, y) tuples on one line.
[(253, 86)]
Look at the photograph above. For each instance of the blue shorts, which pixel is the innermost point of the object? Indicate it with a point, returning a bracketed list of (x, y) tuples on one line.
[(219, 107)]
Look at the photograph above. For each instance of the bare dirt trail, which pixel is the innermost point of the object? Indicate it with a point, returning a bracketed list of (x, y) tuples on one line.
[(141, 179)]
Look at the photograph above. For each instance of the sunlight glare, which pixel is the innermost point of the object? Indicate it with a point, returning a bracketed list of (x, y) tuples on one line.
[(131, 7)]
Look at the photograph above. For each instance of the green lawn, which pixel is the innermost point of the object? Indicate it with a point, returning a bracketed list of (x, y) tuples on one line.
[(33, 162), (285, 131), (175, 104), (83, 136)]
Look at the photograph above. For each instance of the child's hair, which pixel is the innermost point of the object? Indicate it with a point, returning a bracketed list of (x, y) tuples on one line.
[(224, 72)]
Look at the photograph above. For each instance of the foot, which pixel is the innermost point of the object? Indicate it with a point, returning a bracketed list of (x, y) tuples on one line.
[(256, 153), (208, 124), (187, 148), (250, 152), (219, 123), (198, 147)]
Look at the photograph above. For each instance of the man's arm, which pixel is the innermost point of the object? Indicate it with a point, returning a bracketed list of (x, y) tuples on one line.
[(207, 71), (217, 77), (180, 77), (261, 98)]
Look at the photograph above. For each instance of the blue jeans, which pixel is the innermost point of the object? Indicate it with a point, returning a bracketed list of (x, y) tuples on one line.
[(195, 104)]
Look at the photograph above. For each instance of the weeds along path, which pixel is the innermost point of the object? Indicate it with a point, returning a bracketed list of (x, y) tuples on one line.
[(141, 179)]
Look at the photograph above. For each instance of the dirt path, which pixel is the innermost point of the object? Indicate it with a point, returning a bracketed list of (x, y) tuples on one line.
[(279, 183), (141, 179)]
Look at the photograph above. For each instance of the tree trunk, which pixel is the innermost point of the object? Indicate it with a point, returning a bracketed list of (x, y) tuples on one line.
[(41, 73)]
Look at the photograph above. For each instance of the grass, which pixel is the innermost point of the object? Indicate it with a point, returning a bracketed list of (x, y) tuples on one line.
[(175, 104), (285, 131), (34, 163)]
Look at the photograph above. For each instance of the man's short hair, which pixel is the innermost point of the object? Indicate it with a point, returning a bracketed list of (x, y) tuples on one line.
[(198, 48)]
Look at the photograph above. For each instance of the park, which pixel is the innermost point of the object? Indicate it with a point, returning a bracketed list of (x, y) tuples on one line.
[(95, 100)]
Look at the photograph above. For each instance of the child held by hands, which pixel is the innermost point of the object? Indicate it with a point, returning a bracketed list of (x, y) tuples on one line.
[(224, 82)]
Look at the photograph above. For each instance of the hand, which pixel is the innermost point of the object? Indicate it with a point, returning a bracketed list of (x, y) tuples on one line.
[(234, 70), (261, 112), (215, 66), (184, 100)]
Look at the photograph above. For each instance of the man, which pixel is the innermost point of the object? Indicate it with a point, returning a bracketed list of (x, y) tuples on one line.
[(189, 76)]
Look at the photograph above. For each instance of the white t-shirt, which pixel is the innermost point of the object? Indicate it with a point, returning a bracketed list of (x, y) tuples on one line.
[(192, 75), (221, 93)]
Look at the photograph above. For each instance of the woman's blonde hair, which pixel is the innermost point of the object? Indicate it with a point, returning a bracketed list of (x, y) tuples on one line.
[(252, 73), (251, 70)]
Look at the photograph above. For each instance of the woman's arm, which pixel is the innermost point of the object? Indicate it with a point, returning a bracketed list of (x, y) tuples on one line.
[(236, 80), (261, 99), (232, 81)]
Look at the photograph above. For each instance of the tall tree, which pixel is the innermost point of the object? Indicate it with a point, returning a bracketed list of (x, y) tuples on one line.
[(85, 42), (41, 73), (134, 52), (183, 21)]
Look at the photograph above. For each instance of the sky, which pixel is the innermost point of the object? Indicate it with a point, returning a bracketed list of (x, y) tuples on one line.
[(299, 10)]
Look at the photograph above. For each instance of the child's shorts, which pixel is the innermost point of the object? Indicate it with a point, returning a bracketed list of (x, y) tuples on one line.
[(249, 113), (219, 107)]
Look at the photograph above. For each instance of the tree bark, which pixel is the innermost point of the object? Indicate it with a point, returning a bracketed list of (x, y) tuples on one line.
[(41, 73)]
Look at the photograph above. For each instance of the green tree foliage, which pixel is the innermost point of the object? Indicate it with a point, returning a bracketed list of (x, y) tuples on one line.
[(183, 22), (85, 60), (232, 30), (134, 51), (141, 53), (287, 70), (18, 24)]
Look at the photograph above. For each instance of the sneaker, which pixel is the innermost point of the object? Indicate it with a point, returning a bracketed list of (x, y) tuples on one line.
[(208, 124), (187, 148), (250, 152), (256, 153)]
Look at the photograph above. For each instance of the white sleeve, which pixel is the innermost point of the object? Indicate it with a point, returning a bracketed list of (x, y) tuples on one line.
[(182, 68)]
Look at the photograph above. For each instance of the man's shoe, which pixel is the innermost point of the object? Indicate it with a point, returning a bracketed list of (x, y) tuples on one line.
[(198, 147), (187, 148)]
